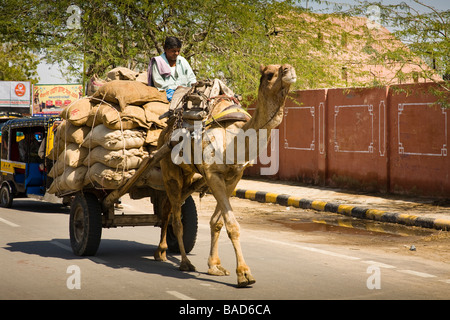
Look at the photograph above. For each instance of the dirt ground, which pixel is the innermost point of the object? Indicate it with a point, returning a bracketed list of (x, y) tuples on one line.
[(324, 228)]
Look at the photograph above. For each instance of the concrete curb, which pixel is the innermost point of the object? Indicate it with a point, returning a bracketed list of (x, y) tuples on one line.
[(351, 211)]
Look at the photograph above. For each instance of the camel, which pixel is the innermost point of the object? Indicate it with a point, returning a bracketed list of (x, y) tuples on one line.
[(180, 179)]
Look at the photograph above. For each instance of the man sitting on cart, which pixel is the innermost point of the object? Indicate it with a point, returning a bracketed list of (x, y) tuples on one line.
[(170, 71)]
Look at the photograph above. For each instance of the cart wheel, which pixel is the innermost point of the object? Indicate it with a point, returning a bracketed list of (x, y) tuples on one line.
[(6, 197), (189, 220), (85, 224)]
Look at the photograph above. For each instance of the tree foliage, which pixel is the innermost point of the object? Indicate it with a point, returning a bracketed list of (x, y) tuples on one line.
[(423, 29), (225, 39), (17, 63)]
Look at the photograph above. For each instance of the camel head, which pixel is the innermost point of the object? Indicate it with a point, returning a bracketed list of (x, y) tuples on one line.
[(275, 78), (274, 87)]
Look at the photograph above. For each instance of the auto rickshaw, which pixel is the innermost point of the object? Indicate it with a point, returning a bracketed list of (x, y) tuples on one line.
[(23, 166)]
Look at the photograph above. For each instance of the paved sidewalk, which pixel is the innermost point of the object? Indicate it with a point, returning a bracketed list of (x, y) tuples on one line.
[(420, 212)]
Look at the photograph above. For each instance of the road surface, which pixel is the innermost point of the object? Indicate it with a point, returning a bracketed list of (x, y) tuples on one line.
[(294, 254)]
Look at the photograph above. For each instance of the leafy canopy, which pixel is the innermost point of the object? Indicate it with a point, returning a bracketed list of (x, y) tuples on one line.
[(225, 39)]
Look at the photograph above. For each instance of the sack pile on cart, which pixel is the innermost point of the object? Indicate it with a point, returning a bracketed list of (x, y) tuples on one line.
[(104, 137)]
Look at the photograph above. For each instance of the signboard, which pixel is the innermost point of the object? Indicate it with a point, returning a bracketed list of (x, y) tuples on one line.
[(49, 99), (15, 96)]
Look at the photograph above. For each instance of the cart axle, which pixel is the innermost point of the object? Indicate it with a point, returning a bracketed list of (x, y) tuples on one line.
[(130, 220)]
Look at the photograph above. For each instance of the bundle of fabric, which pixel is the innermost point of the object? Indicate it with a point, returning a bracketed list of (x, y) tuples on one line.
[(105, 137)]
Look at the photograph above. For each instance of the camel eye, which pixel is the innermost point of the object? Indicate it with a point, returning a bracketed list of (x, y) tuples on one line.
[(270, 76)]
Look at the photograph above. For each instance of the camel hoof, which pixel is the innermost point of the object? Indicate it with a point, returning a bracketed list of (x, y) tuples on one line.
[(160, 256), (218, 270), (186, 266), (245, 279)]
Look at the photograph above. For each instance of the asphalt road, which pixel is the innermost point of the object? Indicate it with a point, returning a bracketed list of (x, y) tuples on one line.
[(36, 262)]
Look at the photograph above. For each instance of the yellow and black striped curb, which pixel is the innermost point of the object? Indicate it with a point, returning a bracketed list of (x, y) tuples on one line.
[(348, 210)]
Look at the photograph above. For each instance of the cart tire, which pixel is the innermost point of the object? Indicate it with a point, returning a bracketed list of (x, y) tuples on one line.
[(85, 225), (189, 221), (6, 197)]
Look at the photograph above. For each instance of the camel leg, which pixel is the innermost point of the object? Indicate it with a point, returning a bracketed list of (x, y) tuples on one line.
[(214, 264), (222, 193), (243, 272), (160, 254), (173, 183), (177, 225)]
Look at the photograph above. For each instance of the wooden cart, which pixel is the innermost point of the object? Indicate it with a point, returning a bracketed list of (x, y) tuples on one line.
[(93, 209)]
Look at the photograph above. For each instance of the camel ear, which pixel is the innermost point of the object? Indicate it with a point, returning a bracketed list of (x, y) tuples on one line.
[(262, 68)]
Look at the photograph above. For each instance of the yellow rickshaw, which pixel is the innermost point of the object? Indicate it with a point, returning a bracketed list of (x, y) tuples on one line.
[(24, 144)]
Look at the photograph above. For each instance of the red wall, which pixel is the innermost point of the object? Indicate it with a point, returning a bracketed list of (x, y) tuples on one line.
[(419, 160), (356, 149), (388, 139), (302, 138)]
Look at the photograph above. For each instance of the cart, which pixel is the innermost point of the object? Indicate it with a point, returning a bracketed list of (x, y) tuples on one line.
[(91, 209)]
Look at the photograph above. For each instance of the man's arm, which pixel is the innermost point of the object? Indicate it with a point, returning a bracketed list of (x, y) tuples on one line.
[(188, 72), (191, 75)]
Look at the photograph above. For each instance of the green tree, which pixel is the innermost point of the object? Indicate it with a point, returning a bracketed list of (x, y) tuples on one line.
[(224, 39), (17, 63), (423, 29)]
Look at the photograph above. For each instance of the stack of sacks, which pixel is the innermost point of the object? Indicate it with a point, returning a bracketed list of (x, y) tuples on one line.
[(104, 138), (119, 73)]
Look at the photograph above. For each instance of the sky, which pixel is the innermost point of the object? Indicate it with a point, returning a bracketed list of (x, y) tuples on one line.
[(49, 74)]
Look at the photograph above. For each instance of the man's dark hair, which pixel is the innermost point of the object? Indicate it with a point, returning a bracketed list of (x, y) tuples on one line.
[(172, 42)]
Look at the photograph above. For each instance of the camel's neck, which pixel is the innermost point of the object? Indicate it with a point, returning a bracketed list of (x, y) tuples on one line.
[(269, 110), (267, 116)]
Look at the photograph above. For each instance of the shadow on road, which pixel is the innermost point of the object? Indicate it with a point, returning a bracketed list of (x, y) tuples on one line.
[(116, 254), (36, 206)]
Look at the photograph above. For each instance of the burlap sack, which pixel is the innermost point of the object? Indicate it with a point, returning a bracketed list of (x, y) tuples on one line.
[(131, 118), (58, 186), (77, 112), (126, 93), (120, 159), (105, 177), (57, 169), (143, 77), (72, 179), (74, 155), (68, 133), (58, 146), (93, 85), (94, 119), (153, 136), (122, 73), (114, 139), (153, 110)]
